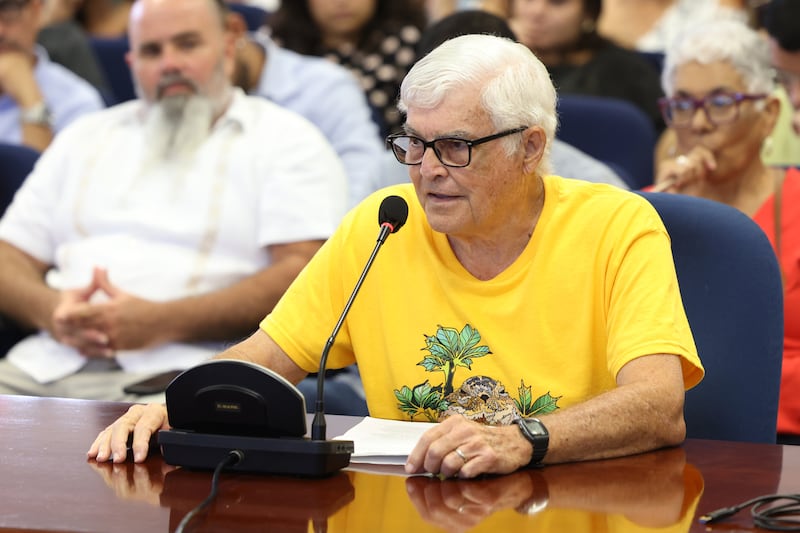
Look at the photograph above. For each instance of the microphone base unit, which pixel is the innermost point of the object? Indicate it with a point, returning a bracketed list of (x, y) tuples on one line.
[(290, 456)]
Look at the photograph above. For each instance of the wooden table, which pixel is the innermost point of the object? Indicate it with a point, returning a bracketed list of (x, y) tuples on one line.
[(47, 484)]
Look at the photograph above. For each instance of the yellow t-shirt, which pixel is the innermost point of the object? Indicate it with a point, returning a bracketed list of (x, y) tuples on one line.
[(594, 289)]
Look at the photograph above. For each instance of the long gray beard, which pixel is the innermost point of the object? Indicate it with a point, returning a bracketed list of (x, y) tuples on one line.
[(176, 126)]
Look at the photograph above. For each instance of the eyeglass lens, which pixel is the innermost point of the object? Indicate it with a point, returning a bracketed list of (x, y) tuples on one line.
[(719, 109), (452, 152)]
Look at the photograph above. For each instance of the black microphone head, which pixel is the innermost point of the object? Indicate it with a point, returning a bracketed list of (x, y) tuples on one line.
[(393, 211)]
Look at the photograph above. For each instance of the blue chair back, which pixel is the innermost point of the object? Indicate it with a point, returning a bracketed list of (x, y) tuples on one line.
[(611, 130), (731, 287), (254, 16), (16, 162), (110, 54)]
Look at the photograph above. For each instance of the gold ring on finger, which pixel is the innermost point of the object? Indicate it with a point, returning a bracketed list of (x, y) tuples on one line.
[(461, 454)]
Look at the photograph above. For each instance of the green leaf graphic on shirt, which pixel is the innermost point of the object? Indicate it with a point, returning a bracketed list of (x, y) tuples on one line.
[(450, 349), (421, 400), (546, 403)]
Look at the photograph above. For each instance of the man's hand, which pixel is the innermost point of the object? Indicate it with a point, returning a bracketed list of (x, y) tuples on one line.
[(141, 420), (459, 447), (17, 79), (99, 329), (69, 329)]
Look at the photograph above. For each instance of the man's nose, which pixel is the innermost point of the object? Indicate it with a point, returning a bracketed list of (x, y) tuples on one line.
[(430, 164), (171, 59)]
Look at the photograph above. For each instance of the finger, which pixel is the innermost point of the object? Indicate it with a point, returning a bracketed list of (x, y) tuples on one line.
[(707, 159), (100, 448), (154, 417), (417, 490), (120, 431), (101, 279), (415, 463), (665, 185)]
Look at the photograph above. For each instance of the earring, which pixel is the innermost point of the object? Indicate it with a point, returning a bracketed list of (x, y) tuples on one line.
[(766, 147)]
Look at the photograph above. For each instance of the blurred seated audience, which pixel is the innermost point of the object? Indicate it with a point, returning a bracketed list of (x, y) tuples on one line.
[(720, 103), (326, 94), (566, 160), (782, 23), (104, 18), (651, 25), (152, 234), (67, 43), (580, 61), (373, 38), (38, 98), (439, 9), (267, 5)]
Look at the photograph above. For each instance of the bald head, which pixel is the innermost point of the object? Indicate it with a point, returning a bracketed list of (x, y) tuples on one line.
[(180, 47)]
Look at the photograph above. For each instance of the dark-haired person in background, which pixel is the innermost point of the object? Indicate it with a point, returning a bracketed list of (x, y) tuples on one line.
[(509, 293), (373, 38), (326, 94), (567, 160), (782, 22), (580, 61), (38, 98)]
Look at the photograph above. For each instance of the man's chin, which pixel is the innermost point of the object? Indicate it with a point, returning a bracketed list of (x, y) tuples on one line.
[(176, 91)]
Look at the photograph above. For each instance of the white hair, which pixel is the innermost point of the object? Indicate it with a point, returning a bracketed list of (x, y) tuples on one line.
[(516, 87), (728, 41)]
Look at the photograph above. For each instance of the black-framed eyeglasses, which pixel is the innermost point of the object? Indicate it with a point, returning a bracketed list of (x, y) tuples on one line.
[(720, 108), (451, 151), (10, 10)]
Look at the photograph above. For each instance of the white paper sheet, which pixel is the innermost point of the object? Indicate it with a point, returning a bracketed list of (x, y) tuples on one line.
[(380, 441)]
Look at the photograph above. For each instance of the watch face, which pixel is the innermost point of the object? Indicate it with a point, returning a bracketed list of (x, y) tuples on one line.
[(535, 427)]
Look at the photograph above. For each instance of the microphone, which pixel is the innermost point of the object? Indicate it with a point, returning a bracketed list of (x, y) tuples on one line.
[(223, 406), (392, 214)]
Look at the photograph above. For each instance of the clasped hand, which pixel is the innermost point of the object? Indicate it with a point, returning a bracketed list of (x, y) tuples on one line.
[(100, 319)]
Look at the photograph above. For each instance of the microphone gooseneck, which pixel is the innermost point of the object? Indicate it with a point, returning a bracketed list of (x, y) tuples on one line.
[(392, 214)]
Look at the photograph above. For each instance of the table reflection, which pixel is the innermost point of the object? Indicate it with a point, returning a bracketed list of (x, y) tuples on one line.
[(653, 491), (647, 492)]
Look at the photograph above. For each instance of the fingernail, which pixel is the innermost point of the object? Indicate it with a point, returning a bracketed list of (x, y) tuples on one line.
[(410, 468)]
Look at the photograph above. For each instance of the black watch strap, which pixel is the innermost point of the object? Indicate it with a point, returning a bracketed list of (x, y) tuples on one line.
[(534, 430)]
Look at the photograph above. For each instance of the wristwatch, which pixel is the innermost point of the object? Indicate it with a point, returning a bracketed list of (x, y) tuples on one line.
[(533, 430), (38, 114)]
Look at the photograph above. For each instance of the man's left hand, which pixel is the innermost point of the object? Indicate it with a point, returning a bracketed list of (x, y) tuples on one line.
[(458, 447)]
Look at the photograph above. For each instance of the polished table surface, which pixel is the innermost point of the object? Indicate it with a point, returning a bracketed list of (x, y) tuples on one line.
[(47, 484)]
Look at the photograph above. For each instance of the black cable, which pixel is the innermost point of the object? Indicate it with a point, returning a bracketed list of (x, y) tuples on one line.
[(783, 517), (231, 459)]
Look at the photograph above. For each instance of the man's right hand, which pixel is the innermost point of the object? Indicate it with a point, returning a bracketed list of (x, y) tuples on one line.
[(142, 421), (88, 341)]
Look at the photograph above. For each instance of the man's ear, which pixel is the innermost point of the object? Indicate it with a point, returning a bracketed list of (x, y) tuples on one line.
[(535, 140)]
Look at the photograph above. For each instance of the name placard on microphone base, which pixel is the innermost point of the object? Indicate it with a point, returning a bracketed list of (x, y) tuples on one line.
[(282, 456)]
